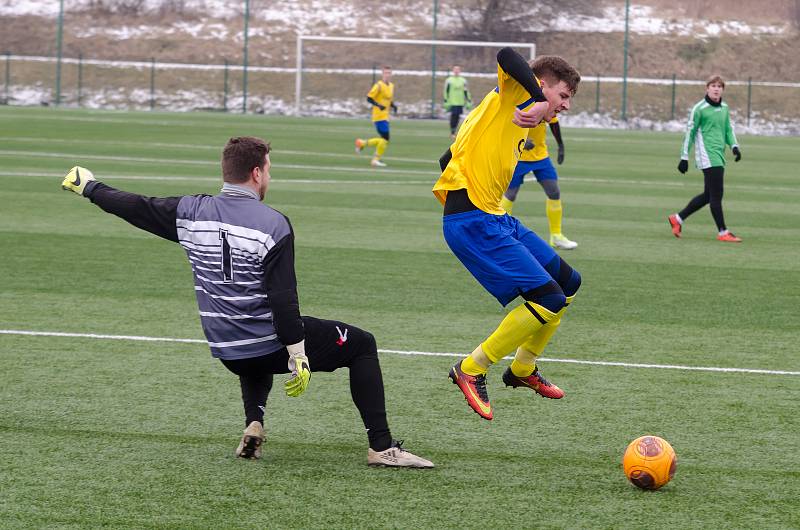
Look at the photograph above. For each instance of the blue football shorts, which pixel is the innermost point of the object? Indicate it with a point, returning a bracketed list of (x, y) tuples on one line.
[(382, 126), (542, 169), (505, 256)]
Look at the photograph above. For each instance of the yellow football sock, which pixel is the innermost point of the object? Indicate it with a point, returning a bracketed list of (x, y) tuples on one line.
[(554, 213), (372, 142), (520, 368), (382, 144), (519, 324), (524, 362), (476, 363), (507, 204)]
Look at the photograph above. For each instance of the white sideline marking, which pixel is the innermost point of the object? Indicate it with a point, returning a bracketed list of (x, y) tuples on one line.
[(218, 179), (433, 175), (215, 149), (406, 352), (215, 164)]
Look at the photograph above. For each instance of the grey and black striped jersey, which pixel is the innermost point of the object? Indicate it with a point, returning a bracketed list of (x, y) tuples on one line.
[(241, 253)]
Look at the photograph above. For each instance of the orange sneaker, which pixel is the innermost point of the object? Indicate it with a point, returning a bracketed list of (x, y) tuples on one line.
[(729, 238), (474, 389), (535, 382), (675, 225), (360, 145)]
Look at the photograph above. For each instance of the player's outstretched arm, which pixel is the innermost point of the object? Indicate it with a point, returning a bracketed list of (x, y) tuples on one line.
[(154, 214)]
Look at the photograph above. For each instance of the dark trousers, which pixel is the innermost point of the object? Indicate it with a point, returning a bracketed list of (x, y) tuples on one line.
[(712, 195), (455, 115), (328, 349)]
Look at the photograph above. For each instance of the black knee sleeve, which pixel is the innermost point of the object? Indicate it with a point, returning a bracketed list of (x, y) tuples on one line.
[(551, 189), (567, 278), (550, 296)]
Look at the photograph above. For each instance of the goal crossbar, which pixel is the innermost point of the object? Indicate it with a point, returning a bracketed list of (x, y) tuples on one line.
[(300, 38)]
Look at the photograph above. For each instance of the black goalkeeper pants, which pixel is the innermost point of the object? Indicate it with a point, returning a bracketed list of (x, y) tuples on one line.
[(712, 195), (455, 115), (329, 345)]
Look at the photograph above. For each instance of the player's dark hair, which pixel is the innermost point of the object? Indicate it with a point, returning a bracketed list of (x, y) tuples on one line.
[(715, 79), (555, 69), (240, 156)]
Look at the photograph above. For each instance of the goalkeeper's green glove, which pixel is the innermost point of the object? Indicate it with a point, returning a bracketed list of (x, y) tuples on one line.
[(299, 368), (76, 180)]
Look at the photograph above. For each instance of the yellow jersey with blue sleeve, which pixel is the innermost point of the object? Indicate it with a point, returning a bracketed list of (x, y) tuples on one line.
[(487, 147), (537, 136), (382, 93)]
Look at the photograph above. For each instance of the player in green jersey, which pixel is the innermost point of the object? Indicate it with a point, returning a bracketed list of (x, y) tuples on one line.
[(457, 98), (709, 130)]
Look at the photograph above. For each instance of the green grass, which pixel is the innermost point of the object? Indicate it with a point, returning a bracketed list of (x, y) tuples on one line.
[(129, 434)]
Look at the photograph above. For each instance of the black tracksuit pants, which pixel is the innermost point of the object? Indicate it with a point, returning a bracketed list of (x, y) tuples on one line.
[(329, 345), (455, 115), (712, 195)]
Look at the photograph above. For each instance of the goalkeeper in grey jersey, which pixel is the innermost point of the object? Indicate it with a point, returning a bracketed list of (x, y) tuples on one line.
[(710, 131), (242, 256)]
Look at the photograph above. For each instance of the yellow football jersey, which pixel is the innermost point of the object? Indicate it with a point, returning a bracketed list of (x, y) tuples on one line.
[(383, 95), (487, 147), (537, 136)]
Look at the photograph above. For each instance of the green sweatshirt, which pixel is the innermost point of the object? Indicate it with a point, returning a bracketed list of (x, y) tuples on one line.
[(456, 92), (709, 130)]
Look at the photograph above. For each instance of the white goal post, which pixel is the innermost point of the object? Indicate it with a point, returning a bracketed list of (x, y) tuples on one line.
[(303, 38)]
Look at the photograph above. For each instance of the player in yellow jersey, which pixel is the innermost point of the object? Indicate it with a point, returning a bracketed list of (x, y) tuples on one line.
[(381, 97), (506, 258), (535, 159)]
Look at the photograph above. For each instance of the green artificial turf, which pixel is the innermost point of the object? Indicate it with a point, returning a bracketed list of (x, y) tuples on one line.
[(133, 434)]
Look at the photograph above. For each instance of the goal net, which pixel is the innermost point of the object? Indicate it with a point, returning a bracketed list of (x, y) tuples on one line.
[(334, 74)]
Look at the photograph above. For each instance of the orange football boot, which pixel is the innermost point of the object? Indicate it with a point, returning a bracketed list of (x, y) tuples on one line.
[(474, 389), (675, 225), (729, 238), (535, 382)]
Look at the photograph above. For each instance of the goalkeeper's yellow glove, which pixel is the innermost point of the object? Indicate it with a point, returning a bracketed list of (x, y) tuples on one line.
[(300, 369), (76, 180)]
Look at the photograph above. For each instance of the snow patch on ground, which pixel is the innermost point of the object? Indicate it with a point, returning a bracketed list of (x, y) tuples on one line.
[(643, 21), (338, 17), (190, 100)]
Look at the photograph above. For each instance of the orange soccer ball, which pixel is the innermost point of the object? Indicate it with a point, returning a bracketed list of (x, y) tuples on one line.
[(649, 462)]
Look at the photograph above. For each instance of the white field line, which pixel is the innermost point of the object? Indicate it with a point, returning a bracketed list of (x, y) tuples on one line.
[(212, 148), (359, 127), (139, 338), (215, 149), (219, 179), (208, 163), (432, 175)]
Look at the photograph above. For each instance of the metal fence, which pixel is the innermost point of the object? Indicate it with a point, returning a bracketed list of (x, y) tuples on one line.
[(152, 85)]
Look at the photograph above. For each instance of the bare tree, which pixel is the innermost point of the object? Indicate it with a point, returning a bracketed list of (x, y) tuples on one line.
[(510, 19), (796, 17), (121, 7), (172, 6)]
